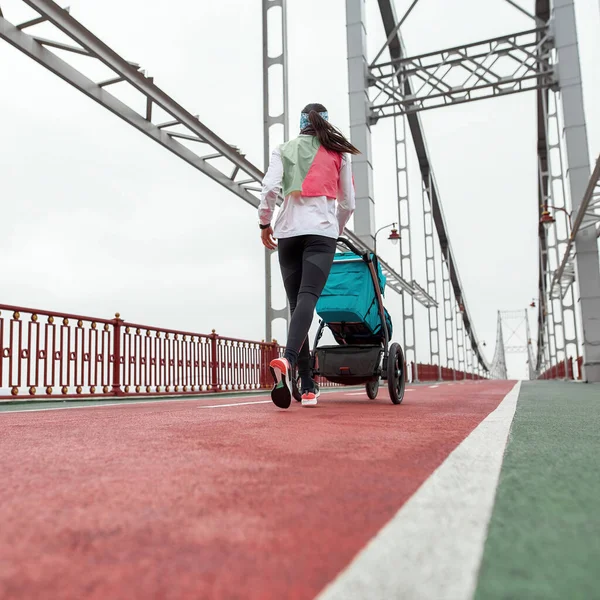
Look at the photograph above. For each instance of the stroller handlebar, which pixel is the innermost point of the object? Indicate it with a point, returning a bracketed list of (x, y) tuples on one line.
[(362, 253)]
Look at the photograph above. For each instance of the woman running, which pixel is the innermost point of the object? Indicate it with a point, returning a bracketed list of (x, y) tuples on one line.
[(314, 171)]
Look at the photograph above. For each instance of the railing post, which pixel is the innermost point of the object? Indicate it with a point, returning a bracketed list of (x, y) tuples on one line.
[(116, 374), (571, 374), (214, 371), (268, 351), (262, 365)]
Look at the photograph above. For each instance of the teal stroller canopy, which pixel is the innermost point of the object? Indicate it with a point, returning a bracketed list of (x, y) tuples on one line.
[(349, 296)]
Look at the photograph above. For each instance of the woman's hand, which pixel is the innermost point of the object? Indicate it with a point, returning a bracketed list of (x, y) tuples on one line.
[(266, 235)]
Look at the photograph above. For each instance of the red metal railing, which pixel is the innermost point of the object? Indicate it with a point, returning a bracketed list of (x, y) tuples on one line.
[(47, 354), (435, 373), (564, 370)]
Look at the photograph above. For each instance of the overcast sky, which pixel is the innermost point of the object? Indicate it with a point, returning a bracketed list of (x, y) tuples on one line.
[(96, 218)]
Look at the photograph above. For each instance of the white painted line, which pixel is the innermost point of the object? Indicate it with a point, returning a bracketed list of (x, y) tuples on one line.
[(123, 403), (439, 534), (236, 404), (31, 410), (363, 393), (145, 402), (434, 386)]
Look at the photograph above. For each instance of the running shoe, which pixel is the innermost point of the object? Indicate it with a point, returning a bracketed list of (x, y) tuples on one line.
[(281, 394), (310, 398)]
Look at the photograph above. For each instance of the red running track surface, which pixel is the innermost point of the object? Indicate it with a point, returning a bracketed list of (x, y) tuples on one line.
[(173, 501)]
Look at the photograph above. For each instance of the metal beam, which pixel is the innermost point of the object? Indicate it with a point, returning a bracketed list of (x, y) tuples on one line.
[(495, 67), (542, 13), (405, 246), (360, 126), (394, 32), (388, 15), (269, 123), (521, 9), (564, 306), (431, 279), (130, 74), (448, 316), (588, 215)]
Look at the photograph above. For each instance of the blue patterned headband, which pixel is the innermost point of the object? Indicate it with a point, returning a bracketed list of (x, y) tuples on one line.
[(304, 122)]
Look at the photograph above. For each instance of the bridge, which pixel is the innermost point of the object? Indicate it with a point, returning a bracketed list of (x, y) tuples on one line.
[(502, 236)]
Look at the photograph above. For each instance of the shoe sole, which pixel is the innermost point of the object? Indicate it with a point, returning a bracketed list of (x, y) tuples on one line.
[(311, 402), (280, 394)]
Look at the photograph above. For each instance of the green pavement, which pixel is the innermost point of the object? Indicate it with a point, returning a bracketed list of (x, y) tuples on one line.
[(544, 535)]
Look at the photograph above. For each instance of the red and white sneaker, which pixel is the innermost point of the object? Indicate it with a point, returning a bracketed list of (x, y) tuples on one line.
[(310, 398), (281, 394)]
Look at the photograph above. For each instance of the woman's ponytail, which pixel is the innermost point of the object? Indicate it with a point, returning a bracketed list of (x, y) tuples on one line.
[(329, 137)]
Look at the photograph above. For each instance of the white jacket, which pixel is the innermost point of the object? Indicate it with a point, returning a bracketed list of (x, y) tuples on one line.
[(301, 215)]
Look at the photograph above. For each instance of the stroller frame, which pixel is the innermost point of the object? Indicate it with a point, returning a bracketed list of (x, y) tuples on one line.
[(376, 361)]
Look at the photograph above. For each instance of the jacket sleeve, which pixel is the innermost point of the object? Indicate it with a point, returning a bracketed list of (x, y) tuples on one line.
[(271, 186), (346, 195)]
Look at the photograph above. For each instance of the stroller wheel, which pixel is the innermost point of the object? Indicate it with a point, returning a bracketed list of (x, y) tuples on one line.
[(372, 388), (396, 373)]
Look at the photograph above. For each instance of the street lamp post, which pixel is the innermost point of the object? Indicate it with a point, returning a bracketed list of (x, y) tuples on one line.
[(547, 219), (393, 237)]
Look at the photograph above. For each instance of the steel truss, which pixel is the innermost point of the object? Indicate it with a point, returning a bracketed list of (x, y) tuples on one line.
[(530, 359), (546, 325), (542, 58), (270, 123), (518, 319), (470, 361), (546, 345), (397, 52), (550, 177), (561, 306), (496, 67), (498, 368), (587, 216), (209, 154), (460, 340), (448, 317), (577, 246), (406, 265), (205, 151), (431, 275), (574, 134)]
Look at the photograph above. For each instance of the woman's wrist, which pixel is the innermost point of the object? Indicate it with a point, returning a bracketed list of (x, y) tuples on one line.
[(264, 226)]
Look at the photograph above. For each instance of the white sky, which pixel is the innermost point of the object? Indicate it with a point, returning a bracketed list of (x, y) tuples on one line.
[(96, 218)]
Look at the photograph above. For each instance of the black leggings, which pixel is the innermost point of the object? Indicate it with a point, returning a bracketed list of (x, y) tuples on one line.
[(305, 263)]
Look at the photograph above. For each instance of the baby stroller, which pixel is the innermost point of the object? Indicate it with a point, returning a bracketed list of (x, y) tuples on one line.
[(351, 306)]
